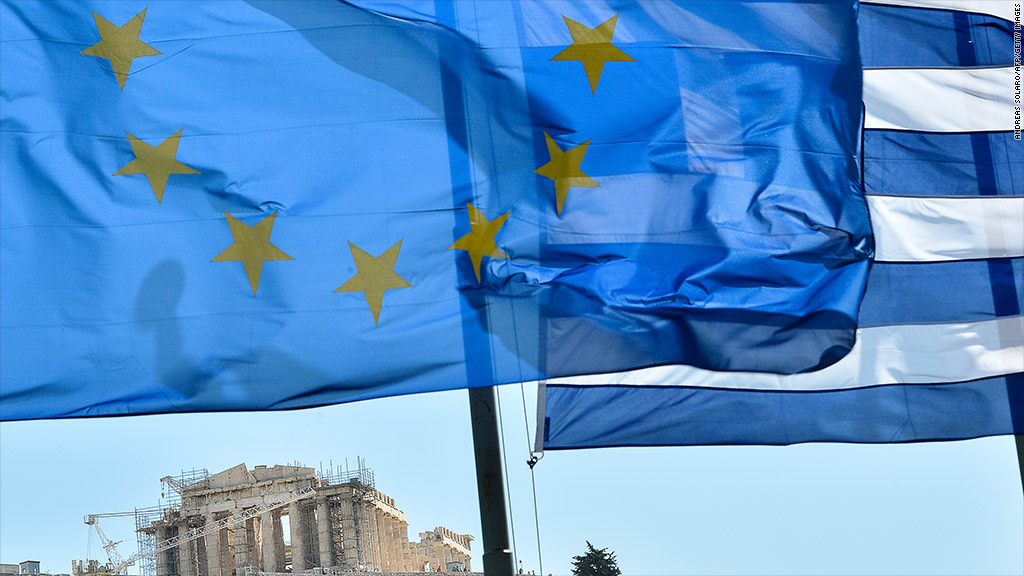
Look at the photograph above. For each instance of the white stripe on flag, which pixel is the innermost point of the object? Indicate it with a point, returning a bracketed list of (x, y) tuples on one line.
[(1000, 8), (933, 229), (939, 99), (899, 354)]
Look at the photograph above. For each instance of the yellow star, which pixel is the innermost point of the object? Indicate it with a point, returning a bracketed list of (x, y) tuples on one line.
[(564, 169), (156, 162), (376, 275), (480, 240), (120, 45), (593, 47), (252, 247)]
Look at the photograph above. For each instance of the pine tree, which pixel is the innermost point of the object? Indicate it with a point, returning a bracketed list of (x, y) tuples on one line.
[(596, 562)]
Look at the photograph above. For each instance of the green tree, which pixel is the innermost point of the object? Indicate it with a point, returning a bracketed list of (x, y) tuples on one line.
[(596, 562)]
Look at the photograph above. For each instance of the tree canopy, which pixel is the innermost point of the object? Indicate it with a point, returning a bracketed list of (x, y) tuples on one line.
[(595, 562)]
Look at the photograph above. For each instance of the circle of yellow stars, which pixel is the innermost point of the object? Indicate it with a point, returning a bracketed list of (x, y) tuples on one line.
[(121, 46)]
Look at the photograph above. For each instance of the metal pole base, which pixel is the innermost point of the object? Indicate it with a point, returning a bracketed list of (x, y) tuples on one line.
[(497, 559), (498, 562)]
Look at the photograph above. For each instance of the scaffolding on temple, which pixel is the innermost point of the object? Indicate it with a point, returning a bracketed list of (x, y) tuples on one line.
[(284, 519)]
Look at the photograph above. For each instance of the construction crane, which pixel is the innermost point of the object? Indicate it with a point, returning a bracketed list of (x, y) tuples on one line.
[(118, 565), (113, 556), (179, 486)]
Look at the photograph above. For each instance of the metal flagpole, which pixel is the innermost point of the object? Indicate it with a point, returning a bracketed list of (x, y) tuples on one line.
[(497, 559)]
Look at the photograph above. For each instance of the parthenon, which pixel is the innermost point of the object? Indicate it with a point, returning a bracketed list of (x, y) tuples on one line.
[(292, 519)]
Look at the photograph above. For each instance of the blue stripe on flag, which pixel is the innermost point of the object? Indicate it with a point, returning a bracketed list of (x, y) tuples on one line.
[(946, 292), (898, 37), (656, 416), (929, 164)]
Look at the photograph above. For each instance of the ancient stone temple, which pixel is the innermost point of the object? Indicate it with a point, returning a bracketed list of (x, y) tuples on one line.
[(292, 519)]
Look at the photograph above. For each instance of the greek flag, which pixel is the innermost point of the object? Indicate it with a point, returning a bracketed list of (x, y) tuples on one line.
[(940, 343)]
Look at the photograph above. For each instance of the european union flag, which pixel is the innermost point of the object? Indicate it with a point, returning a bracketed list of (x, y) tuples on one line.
[(261, 205)]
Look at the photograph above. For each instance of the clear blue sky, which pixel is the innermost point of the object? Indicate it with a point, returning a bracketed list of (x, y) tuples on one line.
[(932, 508)]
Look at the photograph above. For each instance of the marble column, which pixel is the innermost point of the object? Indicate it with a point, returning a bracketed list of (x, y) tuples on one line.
[(389, 543), (408, 558), (186, 554), (297, 534), (160, 533), (349, 546), (225, 536), (323, 532), (267, 543), (312, 539), (396, 546), (212, 550), (241, 545), (396, 551), (279, 550), (383, 531), (378, 556)]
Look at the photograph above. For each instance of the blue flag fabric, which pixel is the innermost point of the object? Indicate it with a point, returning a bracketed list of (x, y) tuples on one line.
[(940, 353), (268, 205)]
